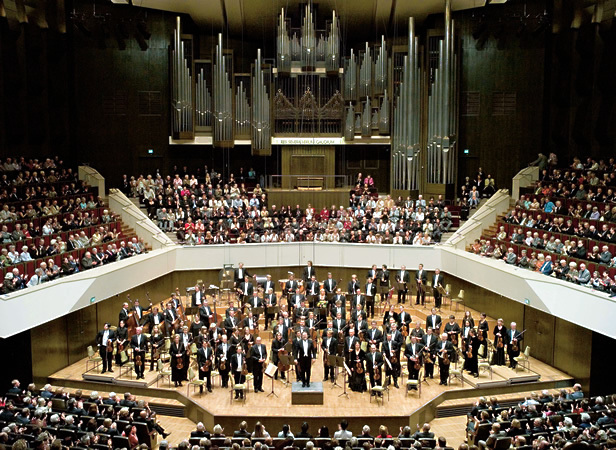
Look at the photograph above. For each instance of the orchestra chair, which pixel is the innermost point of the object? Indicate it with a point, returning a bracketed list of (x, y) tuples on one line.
[(483, 365), (164, 352), (162, 372), (459, 299), (250, 377), (193, 351), (238, 387), (126, 364), (415, 383), (523, 360), (93, 359), (379, 391), (456, 373), (193, 381), (447, 295), (429, 291)]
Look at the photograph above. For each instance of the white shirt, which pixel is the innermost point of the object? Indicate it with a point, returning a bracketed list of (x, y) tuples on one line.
[(305, 344), (105, 337), (239, 363)]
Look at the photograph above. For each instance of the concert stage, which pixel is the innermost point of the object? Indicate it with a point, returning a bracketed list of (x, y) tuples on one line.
[(399, 408)]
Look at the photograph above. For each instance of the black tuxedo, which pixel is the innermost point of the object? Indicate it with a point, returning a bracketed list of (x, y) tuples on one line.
[(434, 322), (246, 290), (403, 289), (222, 355), (413, 351), (437, 280), (229, 324), (331, 349), (308, 272), (240, 274), (102, 345), (197, 300), (269, 285), (373, 274), (356, 314), (389, 348), (312, 288), (204, 315), (349, 345), (353, 286), (361, 299), (258, 352), (330, 285), (370, 293), (421, 277), (203, 355), (342, 324), (152, 318), (123, 316), (511, 335), (441, 348), (374, 362), (304, 357), (237, 363), (170, 316), (139, 344), (290, 286), (374, 336)]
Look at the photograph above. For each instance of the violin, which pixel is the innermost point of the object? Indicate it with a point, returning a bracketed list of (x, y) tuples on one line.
[(109, 348), (500, 343), (207, 366), (377, 373), (359, 367), (244, 369), (138, 360), (223, 364), (469, 352), (281, 366), (445, 357)]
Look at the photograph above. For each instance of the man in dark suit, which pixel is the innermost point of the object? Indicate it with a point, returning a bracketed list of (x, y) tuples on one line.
[(255, 302), (374, 362), (230, 323), (269, 284), (240, 273), (384, 282), (403, 277), (312, 286), (349, 344), (197, 297), (123, 316), (391, 351), (421, 277), (205, 312), (258, 353), (353, 285), (429, 342), (237, 364), (370, 294), (358, 311), (296, 299), (514, 336), (171, 319), (358, 299), (437, 281), (373, 273), (156, 318), (413, 353), (309, 272), (329, 345), (374, 335), (102, 339), (139, 311), (223, 355), (434, 321), (245, 289), (361, 325), (305, 355), (290, 286), (139, 344), (269, 301), (330, 284), (444, 346), (339, 323)]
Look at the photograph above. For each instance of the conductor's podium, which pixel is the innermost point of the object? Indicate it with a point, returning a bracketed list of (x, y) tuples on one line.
[(312, 395)]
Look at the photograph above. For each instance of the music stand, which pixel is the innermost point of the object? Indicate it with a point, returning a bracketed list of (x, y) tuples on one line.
[(192, 310), (270, 371), (332, 360), (402, 286), (341, 363), (312, 300), (287, 360)]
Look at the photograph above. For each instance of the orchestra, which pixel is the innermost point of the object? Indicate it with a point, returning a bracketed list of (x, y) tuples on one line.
[(345, 341)]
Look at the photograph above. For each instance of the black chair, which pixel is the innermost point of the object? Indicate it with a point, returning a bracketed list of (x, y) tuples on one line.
[(406, 442), (428, 442), (120, 442), (300, 442), (502, 443)]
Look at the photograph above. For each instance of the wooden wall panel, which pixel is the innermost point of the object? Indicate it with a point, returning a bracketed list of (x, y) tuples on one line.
[(539, 334), (49, 348), (572, 354)]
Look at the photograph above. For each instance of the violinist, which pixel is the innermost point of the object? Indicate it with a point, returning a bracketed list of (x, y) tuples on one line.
[(391, 351), (350, 342), (465, 334), (413, 353), (404, 318), (418, 332), (270, 301), (105, 339), (178, 366), (429, 343), (205, 362), (214, 335), (514, 338), (172, 320), (250, 321), (230, 323), (374, 362), (205, 313), (469, 317), (357, 311), (255, 302), (301, 310), (396, 335), (445, 351), (155, 319), (329, 345), (357, 383), (258, 355), (470, 354), (247, 341), (139, 343), (339, 304), (361, 326), (339, 323), (223, 354), (370, 294), (483, 329), (500, 341), (238, 363), (389, 314), (187, 339), (453, 331), (374, 335), (158, 342), (195, 328), (278, 347), (121, 338)]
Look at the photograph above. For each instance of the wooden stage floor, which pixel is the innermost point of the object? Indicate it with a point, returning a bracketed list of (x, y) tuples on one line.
[(397, 407)]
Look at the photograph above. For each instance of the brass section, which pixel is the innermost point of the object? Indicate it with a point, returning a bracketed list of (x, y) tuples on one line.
[(49, 349)]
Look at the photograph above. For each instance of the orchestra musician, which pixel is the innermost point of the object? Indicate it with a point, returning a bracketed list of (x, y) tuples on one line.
[(353, 285), (223, 355), (158, 342), (269, 284), (403, 277), (205, 312), (484, 328), (215, 335), (329, 345), (361, 326), (230, 323), (358, 311), (296, 299), (396, 335), (258, 354), (453, 331), (391, 350), (338, 309), (434, 321), (389, 314), (278, 346), (413, 354), (349, 344), (373, 272), (255, 302), (195, 328), (305, 355), (139, 344), (172, 320), (138, 311), (437, 281), (471, 348), (358, 300), (339, 323), (370, 294), (235, 339), (291, 285), (500, 341), (233, 308), (205, 355), (155, 318), (245, 289), (469, 317), (339, 297), (197, 297), (202, 335), (418, 332), (429, 343), (421, 277), (104, 338), (312, 286), (246, 342), (270, 301), (322, 305), (404, 318), (513, 337), (121, 338), (240, 274), (237, 366), (384, 282), (374, 335), (309, 272), (282, 329), (123, 315), (465, 333), (444, 347), (357, 356), (330, 284), (374, 362)]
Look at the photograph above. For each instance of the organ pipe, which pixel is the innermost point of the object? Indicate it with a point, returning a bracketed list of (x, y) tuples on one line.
[(380, 69), (203, 101), (349, 125), (283, 43), (242, 112), (308, 40), (332, 53), (223, 103), (182, 87), (350, 78), (365, 74), (261, 113), (366, 119)]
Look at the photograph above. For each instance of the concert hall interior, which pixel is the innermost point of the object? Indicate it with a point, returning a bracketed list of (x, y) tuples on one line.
[(354, 224)]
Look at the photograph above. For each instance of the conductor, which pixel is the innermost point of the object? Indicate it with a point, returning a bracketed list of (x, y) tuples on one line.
[(305, 356)]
